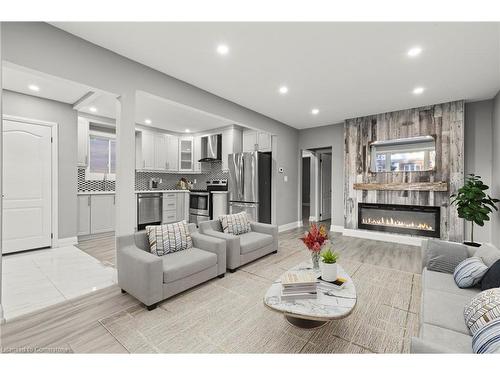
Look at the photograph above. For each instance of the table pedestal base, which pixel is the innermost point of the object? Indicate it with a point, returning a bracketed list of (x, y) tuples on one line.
[(304, 323)]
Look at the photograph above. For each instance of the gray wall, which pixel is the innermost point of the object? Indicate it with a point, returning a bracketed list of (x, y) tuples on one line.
[(495, 225), (329, 136), (478, 153), (31, 107), (1, 174), (50, 50)]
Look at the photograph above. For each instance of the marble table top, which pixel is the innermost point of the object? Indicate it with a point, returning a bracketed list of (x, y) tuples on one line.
[(330, 303)]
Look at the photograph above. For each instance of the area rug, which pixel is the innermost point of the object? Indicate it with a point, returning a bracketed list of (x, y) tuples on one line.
[(228, 315)]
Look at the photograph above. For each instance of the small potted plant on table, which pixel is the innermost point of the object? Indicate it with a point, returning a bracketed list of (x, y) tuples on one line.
[(329, 265)]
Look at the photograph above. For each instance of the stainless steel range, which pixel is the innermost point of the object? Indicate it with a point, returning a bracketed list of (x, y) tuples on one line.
[(200, 201)]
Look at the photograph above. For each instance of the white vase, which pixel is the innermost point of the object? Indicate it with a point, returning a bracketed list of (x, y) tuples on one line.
[(328, 271)]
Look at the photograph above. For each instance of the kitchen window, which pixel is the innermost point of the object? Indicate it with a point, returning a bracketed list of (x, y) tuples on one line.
[(102, 156)]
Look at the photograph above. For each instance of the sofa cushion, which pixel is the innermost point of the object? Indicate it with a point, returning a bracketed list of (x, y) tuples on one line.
[(185, 263), (487, 339), (235, 224), (169, 238), (454, 341), (492, 277), (469, 272), (444, 256), (445, 310), (482, 309), (488, 253), (252, 241), (444, 282)]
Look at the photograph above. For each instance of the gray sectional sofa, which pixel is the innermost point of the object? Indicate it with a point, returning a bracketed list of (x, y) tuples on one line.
[(442, 327), (244, 248), (151, 278)]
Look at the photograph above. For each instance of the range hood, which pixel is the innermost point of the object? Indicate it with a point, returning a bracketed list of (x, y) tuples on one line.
[(211, 148)]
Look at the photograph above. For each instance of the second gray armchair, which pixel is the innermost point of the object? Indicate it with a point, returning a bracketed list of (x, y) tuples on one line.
[(244, 248)]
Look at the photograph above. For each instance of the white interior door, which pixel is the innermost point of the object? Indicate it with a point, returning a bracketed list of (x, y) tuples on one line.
[(326, 186), (27, 186)]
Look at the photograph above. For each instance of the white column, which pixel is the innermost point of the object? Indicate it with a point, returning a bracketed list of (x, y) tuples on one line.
[(1, 174), (125, 165)]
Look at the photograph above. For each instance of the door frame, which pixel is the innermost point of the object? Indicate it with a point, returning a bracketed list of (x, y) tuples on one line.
[(54, 170), (320, 195)]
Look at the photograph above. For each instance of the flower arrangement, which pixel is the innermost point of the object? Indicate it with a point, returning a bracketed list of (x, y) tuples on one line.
[(315, 238), (314, 241)]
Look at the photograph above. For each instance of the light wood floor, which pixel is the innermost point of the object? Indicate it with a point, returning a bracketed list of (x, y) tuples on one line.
[(75, 326)]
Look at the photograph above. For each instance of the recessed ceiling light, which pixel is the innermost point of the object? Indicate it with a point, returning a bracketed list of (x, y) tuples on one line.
[(414, 52), (147, 121), (222, 49), (315, 111), (93, 109), (187, 130), (418, 90), (283, 90), (34, 88)]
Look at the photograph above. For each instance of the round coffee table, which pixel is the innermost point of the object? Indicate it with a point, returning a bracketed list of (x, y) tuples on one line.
[(330, 303)]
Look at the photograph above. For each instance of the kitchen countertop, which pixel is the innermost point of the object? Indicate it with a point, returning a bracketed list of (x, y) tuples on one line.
[(136, 192), (219, 192), (96, 193)]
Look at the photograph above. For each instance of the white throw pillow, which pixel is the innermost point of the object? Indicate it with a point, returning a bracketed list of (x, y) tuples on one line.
[(469, 272), (235, 223)]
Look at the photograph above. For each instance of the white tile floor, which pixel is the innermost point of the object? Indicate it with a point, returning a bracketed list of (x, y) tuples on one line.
[(37, 279)]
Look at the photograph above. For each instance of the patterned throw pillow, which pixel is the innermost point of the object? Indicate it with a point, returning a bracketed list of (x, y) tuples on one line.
[(169, 238), (487, 339), (482, 309), (469, 272), (444, 256), (235, 223)]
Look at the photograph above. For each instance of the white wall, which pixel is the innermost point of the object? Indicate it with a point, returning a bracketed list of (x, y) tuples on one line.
[(495, 185), (47, 49), (478, 154), (16, 104), (329, 136)]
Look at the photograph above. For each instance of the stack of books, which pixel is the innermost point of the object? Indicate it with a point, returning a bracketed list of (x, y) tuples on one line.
[(298, 285)]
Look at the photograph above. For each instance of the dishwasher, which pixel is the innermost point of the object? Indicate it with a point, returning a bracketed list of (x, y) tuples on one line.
[(149, 209)]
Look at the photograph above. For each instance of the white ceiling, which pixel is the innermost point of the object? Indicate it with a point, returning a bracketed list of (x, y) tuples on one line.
[(343, 69), (17, 79)]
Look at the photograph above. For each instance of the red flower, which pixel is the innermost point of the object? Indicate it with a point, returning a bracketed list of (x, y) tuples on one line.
[(315, 238)]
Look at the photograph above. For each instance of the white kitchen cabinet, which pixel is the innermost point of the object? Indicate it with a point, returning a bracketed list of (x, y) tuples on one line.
[(172, 144), (175, 207), (186, 154), (83, 142), (83, 215), (102, 213), (197, 153), (160, 152), (182, 206), (254, 140), (231, 143), (146, 150), (219, 204)]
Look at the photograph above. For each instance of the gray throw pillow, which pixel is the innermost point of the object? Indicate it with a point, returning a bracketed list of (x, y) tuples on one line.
[(488, 253), (443, 256)]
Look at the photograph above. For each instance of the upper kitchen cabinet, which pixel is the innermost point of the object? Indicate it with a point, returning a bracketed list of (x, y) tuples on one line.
[(254, 140), (186, 154), (197, 153), (231, 143), (145, 150), (172, 153), (83, 142)]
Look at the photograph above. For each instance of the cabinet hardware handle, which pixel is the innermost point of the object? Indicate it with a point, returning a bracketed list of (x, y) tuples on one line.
[(88, 201), (144, 163)]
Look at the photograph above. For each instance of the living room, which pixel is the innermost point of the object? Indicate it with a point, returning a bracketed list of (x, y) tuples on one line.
[(358, 205)]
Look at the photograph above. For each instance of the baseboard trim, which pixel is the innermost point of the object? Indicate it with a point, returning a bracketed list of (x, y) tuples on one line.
[(313, 219), (2, 319), (337, 228), (387, 237), (68, 241), (293, 225)]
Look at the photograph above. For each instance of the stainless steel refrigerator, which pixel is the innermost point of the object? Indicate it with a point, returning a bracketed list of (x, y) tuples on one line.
[(249, 184)]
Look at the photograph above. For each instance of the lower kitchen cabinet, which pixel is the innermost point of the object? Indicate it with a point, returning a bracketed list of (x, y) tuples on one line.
[(96, 214), (175, 207)]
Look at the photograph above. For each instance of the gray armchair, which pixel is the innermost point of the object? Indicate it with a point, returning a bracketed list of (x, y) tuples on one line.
[(244, 248), (151, 278)]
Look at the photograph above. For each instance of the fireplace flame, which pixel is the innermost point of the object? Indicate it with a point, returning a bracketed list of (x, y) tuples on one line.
[(390, 222)]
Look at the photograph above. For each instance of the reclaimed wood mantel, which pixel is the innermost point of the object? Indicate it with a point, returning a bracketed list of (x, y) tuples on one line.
[(410, 186)]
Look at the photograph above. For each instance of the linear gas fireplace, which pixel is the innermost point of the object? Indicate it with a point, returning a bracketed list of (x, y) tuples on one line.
[(396, 218)]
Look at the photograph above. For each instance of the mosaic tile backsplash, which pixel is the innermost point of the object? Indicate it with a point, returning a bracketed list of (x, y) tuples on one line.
[(169, 180)]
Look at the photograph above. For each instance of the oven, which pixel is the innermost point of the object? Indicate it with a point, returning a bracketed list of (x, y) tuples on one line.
[(199, 206)]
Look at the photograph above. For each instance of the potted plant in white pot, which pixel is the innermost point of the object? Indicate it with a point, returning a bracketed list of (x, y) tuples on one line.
[(328, 265)]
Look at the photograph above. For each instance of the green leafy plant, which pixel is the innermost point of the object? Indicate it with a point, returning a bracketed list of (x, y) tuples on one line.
[(473, 204), (329, 257)]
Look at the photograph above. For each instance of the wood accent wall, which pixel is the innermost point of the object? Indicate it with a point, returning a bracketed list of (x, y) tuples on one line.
[(446, 122)]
